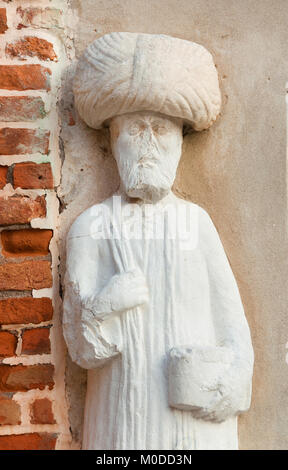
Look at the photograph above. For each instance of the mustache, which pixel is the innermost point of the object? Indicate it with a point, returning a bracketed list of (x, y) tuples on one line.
[(136, 174), (147, 161), (143, 163)]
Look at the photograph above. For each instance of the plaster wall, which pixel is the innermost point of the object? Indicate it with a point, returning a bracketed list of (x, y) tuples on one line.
[(236, 171)]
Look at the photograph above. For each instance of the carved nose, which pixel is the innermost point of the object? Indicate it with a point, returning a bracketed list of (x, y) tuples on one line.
[(148, 133)]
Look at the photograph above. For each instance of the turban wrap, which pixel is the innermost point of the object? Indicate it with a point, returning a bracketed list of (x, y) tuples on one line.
[(129, 72)]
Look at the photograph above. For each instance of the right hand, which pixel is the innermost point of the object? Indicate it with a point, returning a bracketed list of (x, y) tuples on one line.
[(125, 291)]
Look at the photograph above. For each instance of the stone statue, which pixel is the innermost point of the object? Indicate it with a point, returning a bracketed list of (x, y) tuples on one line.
[(151, 305)]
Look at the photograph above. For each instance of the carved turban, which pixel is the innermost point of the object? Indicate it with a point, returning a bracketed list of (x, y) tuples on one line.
[(126, 72)]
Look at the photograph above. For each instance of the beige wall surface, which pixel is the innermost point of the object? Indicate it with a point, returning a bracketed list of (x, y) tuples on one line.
[(236, 171)]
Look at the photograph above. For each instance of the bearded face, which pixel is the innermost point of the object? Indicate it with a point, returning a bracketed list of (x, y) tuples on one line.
[(147, 147)]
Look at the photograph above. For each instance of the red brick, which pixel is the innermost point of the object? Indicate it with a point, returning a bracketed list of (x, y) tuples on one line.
[(27, 242), (10, 412), (33, 441), (36, 341), (30, 175), (21, 209), (21, 108), (8, 343), (36, 17), (24, 77), (3, 20), (21, 141), (21, 378), (26, 275), (31, 46), (3, 176), (22, 310), (41, 412)]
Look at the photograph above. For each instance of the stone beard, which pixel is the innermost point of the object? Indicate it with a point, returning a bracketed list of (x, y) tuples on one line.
[(160, 327)]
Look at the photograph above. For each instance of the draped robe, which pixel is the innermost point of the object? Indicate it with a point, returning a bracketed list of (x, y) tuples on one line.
[(193, 300)]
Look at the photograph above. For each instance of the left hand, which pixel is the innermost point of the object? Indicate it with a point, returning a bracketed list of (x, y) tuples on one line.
[(232, 395)]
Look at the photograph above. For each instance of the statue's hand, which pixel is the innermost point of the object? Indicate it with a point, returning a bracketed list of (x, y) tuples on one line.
[(232, 394), (127, 290), (211, 382), (123, 292)]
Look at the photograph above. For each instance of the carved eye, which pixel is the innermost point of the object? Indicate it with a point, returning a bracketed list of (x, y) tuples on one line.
[(159, 129), (134, 128)]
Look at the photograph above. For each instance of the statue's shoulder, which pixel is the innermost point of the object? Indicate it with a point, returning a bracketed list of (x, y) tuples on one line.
[(203, 215), (207, 230), (81, 226)]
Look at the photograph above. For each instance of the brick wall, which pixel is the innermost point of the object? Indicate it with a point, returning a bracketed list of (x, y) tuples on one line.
[(32, 394)]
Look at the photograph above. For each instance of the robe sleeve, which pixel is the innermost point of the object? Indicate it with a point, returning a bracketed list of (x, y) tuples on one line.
[(230, 324), (86, 343)]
